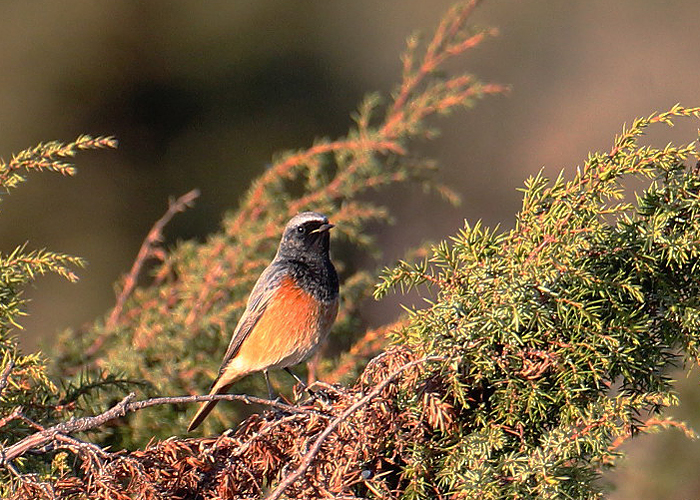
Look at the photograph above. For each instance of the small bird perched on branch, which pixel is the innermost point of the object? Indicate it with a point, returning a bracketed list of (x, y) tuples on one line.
[(289, 312)]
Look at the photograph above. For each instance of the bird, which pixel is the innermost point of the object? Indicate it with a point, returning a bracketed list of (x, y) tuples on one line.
[(289, 313)]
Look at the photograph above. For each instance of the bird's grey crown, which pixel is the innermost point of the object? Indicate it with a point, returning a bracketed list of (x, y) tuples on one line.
[(305, 217)]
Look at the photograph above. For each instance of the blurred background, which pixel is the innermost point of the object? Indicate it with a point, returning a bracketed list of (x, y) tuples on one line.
[(203, 94)]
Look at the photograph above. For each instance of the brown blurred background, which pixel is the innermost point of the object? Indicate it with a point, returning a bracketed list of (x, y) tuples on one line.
[(202, 94)]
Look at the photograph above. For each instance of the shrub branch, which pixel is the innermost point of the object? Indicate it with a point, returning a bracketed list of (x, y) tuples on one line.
[(147, 250), (316, 447), (127, 405)]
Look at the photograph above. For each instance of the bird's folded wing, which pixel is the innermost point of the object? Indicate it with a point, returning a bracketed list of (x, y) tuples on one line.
[(260, 298)]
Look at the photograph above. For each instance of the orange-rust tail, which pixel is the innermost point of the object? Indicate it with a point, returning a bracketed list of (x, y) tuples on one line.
[(207, 407)]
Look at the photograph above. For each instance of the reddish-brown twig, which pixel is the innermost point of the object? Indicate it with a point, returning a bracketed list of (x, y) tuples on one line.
[(155, 236), (12, 416), (649, 425)]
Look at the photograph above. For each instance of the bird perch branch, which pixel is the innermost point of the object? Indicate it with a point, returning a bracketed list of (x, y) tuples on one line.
[(125, 406), (316, 447)]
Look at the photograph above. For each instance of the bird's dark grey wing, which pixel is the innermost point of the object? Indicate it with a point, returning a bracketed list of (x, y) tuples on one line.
[(260, 297)]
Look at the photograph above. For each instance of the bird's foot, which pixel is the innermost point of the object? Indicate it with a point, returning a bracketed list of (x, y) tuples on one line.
[(325, 394), (277, 408)]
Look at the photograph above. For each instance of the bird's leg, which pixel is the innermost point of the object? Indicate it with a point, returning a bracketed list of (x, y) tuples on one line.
[(303, 385), (299, 381), (270, 392)]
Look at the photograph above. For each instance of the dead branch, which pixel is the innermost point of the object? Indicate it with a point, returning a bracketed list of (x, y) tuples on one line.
[(119, 410), (330, 443), (316, 447), (12, 416), (74, 425)]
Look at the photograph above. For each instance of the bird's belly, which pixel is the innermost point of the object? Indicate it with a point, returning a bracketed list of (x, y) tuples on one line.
[(289, 331)]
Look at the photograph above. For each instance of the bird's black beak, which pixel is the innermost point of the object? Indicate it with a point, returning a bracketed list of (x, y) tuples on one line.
[(323, 228)]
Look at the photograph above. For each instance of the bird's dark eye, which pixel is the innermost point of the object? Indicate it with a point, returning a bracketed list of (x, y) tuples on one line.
[(301, 230)]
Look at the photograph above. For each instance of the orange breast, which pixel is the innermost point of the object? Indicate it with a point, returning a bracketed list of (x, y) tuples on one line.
[(290, 329)]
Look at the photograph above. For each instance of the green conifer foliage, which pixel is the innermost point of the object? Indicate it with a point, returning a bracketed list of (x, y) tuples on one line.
[(27, 395), (560, 333)]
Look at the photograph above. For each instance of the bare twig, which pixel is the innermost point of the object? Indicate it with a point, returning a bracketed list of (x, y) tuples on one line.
[(125, 406), (316, 447), (138, 405), (74, 425), (155, 235), (12, 416), (82, 448), (29, 421)]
